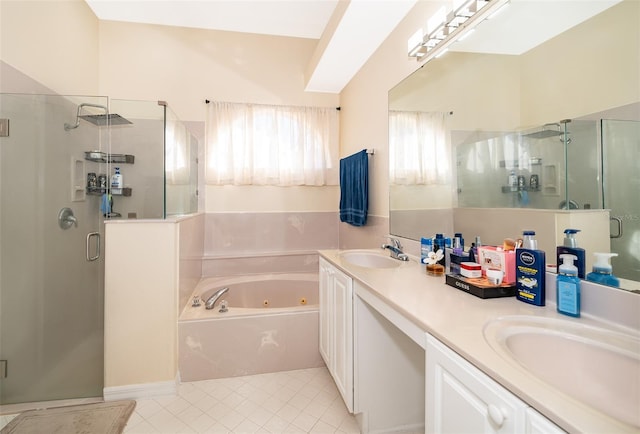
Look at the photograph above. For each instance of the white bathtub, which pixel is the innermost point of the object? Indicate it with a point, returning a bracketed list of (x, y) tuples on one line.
[(271, 325)]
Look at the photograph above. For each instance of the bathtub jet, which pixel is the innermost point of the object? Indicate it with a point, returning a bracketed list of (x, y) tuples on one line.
[(211, 301)]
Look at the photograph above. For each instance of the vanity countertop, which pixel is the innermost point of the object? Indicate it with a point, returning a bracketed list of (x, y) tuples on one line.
[(457, 319)]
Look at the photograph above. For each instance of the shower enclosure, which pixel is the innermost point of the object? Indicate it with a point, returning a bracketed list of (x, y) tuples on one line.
[(52, 227), (577, 164)]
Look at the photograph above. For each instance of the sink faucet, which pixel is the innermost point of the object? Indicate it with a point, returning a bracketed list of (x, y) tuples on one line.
[(395, 249), (211, 301)]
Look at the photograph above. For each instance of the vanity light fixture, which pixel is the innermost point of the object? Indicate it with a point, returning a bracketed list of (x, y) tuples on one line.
[(444, 29)]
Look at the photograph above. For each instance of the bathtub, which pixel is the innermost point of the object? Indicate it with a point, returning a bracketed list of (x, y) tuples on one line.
[(271, 325)]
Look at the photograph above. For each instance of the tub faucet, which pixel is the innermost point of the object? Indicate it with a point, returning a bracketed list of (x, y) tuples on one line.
[(211, 301), (395, 249)]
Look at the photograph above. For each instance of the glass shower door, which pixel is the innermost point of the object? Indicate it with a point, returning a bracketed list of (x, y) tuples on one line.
[(51, 295), (621, 181)]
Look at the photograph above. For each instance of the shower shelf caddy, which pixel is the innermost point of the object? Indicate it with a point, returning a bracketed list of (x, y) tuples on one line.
[(103, 157)]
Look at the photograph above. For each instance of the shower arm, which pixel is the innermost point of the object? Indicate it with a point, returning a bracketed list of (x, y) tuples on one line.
[(68, 127)]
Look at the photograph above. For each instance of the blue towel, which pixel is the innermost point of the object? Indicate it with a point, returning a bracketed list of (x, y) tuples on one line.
[(354, 188), (105, 204)]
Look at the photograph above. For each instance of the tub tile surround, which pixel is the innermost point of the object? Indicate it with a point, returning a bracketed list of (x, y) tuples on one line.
[(457, 319), (237, 234)]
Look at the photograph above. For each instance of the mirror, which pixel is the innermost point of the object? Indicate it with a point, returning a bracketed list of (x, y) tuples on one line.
[(547, 92)]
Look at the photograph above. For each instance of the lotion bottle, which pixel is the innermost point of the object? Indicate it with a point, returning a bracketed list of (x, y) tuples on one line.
[(530, 271), (568, 287), (602, 271), (570, 247)]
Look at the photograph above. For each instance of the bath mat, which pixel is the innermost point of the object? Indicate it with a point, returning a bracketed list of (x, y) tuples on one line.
[(101, 418)]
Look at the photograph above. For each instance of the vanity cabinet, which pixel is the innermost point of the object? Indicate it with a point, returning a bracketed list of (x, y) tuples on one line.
[(460, 398), (536, 423), (336, 328)]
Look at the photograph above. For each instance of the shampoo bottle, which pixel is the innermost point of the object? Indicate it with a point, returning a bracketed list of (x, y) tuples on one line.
[(116, 182), (570, 247), (602, 271), (568, 287), (530, 271)]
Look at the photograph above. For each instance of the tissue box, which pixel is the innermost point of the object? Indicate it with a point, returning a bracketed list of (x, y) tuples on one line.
[(490, 257)]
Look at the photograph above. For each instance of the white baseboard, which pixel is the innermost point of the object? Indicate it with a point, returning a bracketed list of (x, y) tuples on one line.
[(138, 391)]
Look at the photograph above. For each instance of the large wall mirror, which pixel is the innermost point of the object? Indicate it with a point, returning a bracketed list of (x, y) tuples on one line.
[(540, 108)]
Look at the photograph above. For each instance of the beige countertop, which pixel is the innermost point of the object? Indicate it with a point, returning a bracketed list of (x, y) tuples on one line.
[(457, 319)]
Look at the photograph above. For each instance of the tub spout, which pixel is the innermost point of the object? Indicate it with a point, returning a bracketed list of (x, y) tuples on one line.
[(211, 301)]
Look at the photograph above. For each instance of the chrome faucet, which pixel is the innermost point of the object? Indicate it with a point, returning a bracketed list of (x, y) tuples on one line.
[(211, 301), (395, 249)]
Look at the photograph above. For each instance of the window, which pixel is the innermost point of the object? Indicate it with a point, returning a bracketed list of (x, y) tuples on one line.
[(418, 149), (249, 144)]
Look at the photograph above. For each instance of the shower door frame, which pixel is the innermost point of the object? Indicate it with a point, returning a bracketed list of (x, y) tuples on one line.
[(52, 296)]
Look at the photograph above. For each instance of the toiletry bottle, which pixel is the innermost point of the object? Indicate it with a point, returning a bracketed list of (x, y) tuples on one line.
[(570, 247), (459, 235), (473, 251), (439, 244), (568, 286), (116, 182), (426, 246), (513, 181), (530, 271), (602, 271)]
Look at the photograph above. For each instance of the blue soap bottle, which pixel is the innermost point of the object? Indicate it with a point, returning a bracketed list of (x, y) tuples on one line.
[(602, 271), (570, 247), (568, 287), (426, 247), (530, 271)]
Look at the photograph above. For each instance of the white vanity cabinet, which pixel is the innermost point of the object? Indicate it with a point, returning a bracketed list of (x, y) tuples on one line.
[(336, 328), (536, 423), (462, 399)]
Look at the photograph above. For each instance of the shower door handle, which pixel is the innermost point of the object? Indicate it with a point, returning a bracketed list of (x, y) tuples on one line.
[(90, 235), (618, 220)]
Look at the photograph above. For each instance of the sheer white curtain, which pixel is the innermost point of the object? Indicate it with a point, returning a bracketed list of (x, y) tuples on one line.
[(249, 144), (419, 152)]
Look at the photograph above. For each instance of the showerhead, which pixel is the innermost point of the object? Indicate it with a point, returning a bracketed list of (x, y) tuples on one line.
[(99, 120), (106, 119), (545, 133)]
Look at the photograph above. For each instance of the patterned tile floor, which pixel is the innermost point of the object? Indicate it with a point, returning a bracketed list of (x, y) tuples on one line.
[(302, 401)]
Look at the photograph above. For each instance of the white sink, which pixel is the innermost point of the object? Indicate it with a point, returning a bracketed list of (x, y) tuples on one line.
[(370, 259), (596, 366)]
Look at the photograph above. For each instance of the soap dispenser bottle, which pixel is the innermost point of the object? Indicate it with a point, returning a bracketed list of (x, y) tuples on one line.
[(570, 247), (602, 271), (530, 271), (568, 287)]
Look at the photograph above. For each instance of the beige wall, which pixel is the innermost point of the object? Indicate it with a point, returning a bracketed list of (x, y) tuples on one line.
[(53, 42), (141, 303)]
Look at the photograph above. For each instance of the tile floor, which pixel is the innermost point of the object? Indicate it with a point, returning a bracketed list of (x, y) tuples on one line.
[(302, 401)]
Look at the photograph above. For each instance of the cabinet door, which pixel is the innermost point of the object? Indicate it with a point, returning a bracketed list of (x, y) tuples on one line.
[(343, 336), (462, 399), (326, 312), (538, 424)]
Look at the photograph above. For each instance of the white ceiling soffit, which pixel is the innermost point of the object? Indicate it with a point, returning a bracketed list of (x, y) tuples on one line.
[(295, 18), (363, 27), (529, 23)]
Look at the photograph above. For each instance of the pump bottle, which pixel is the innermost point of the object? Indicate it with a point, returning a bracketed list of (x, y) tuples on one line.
[(568, 287), (570, 247), (602, 271)]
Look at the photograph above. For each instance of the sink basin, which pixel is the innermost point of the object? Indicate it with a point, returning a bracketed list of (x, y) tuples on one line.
[(597, 366), (370, 259)]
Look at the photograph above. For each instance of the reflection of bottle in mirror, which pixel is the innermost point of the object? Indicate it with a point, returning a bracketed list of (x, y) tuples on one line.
[(513, 181)]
